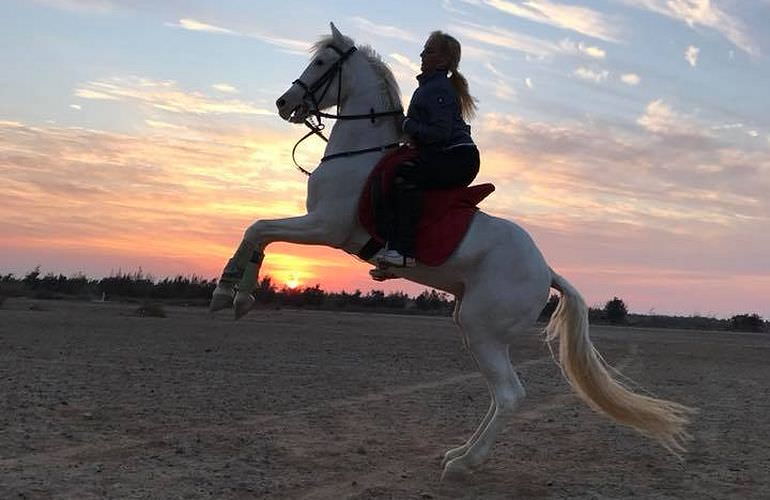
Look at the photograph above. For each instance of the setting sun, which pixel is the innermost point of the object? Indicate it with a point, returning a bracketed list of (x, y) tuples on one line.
[(292, 282)]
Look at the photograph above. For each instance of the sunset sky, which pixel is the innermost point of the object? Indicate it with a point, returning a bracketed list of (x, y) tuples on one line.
[(631, 138)]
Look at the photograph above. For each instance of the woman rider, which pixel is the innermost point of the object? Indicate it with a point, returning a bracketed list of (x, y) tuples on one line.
[(436, 125)]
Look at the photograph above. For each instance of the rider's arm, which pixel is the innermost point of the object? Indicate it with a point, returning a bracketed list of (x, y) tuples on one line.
[(433, 122)]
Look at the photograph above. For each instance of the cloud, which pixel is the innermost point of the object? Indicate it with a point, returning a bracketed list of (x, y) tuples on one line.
[(528, 82), (287, 44), (165, 95), (659, 118), (470, 51), (448, 5), (701, 13), (691, 55), (76, 107), (158, 124), (405, 61), (290, 45), (591, 75), (500, 37), (174, 198), (404, 70), (498, 83), (534, 47), (727, 126), (681, 184), (630, 79), (382, 30), (580, 48), (225, 87), (98, 6), (580, 19), (88, 186), (193, 25)]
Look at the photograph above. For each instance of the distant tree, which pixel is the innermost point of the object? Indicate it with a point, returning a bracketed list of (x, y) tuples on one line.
[(596, 314), (432, 301), (313, 296), (616, 311), (747, 323), (396, 300), (30, 279), (375, 298), (265, 291)]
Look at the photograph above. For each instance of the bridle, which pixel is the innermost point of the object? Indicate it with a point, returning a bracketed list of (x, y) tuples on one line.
[(324, 82)]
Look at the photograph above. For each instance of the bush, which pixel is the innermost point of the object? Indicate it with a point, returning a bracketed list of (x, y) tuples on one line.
[(616, 311), (747, 323), (151, 310)]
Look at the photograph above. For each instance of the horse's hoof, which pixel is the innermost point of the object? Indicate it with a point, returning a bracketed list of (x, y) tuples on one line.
[(455, 470), (242, 304), (220, 299), (452, 454)]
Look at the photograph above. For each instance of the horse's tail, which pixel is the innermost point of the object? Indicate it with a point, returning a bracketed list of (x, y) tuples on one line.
[(589, 375)]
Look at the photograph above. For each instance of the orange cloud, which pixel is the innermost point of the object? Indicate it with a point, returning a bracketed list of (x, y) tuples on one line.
[(165, 95)]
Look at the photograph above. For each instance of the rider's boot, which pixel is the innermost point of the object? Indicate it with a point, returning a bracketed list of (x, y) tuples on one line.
[(394, 258)]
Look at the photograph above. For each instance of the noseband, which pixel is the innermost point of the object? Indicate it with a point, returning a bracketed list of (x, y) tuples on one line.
[(325, 82)]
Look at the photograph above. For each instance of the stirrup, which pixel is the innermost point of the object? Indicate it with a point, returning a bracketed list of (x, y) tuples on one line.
[(392, 258), (382, 274)]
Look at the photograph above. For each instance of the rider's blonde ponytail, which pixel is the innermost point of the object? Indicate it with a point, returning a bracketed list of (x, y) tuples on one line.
[(451, 48)]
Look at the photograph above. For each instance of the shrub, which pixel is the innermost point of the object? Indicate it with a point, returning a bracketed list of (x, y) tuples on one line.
[(616, 311), (747, 323)]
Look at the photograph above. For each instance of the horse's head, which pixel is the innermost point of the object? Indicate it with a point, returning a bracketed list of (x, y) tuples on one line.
[(319, 86)]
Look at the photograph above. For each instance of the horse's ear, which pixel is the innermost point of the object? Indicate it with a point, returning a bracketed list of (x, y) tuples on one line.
[(335, 32)]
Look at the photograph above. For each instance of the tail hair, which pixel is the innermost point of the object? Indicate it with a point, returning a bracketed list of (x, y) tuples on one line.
[(590, 377)]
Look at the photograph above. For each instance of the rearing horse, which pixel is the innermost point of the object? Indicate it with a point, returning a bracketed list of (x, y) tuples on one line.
[(497, 275)]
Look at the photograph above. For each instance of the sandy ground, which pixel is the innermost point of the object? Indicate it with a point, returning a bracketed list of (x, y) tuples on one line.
[(97, 403)]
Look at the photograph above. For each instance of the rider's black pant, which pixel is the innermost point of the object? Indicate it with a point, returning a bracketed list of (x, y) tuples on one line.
[(455, 167)]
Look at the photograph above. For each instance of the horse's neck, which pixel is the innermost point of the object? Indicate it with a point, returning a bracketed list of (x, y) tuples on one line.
[(352, 135)]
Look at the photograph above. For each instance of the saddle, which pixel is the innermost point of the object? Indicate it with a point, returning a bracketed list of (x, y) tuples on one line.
[(445, 218)]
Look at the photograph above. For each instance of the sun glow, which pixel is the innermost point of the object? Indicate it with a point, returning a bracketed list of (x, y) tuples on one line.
[(292, 282)]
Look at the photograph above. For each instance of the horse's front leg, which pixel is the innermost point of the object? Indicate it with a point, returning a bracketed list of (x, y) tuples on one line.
[(240, 274)]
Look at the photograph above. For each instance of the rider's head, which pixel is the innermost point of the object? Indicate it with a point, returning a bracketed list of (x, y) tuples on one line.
[(441, 51)]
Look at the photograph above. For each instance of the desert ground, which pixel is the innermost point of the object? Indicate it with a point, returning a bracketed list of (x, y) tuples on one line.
[(100, 403)]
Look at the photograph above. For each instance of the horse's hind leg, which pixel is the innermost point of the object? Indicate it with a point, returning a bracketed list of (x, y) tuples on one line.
[(495, 364), (460, 450)]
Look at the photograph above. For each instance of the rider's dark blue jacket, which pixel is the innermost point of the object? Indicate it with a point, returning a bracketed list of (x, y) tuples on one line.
[(433, 119)]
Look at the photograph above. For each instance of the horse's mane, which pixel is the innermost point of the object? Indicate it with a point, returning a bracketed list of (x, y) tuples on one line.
[(379, 66)]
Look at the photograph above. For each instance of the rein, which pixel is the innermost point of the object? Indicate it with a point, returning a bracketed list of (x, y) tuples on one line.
[(317, 128)]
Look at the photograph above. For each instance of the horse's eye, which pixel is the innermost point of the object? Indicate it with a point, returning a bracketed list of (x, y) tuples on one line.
[(319, 62)]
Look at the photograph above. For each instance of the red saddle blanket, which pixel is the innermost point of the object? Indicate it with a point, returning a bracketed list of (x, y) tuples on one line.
[(446, 213)]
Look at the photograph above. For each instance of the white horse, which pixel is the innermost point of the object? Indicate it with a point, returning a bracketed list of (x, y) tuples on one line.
[(497, 275)]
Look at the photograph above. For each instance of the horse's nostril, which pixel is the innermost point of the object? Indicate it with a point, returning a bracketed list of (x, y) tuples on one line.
[(280, 103)]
